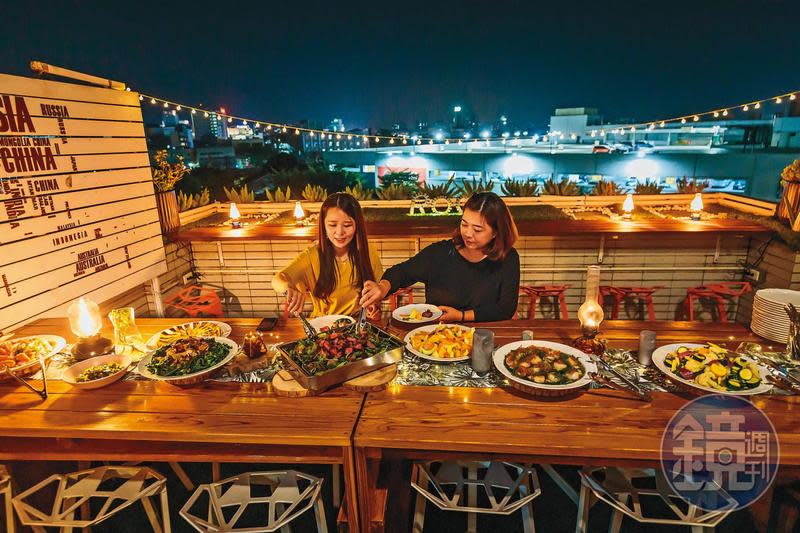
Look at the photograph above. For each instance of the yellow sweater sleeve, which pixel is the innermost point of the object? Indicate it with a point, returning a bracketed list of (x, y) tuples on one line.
[(300, 272)]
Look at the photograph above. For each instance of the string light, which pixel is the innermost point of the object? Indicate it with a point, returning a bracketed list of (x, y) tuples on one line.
[(778, 99), (297, 132)]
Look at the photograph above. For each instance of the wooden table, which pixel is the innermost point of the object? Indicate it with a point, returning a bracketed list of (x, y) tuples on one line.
[(152, 421), (601, 427)]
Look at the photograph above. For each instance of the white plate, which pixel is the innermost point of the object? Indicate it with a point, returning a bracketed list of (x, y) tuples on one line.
[(398, 313), (70, 375), (661, 353), (407, 340), (778, 296), (327, 321), (233, 350), (588, 365), (57, 342), (224, 331)]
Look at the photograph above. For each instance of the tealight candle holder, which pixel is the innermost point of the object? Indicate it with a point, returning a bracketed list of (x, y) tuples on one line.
[(85, 322)]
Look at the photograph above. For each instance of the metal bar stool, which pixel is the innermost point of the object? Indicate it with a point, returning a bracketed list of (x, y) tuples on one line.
[(282, 495), (505, 494), (5, 490), (394, 298), (641, 493), (537, 292), (620, 294), (117, 487), (719, 293)]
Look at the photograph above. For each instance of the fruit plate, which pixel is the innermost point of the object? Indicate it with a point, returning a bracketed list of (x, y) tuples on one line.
[(431, 356), (26, 369), (194, 377), (401, 314), (70, 375), (198, 328), (589, 366), (661, 353)]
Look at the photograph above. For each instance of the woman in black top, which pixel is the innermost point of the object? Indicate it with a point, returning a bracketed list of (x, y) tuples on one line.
[(472, 277)]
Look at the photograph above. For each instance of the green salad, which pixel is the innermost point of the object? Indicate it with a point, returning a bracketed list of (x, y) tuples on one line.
[(332, 349), (187, 356)]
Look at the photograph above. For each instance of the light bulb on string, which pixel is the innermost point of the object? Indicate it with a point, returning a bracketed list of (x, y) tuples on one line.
[(338, 135), (230, 119), (310, 133), (205, 114), (746, 107), (430, 142), (391, 141), (194, 111), (716, 114), (778, 100), (695, 118), (152, 100), (297, 132), (683, 121), (405, 141), (447, 141), (283, 129), (460, 142), (349, 137), (377, 140), (792, 97), (141, 97), (166, 105), (178, 107), (757, 106), (724, 112), (662, 124)]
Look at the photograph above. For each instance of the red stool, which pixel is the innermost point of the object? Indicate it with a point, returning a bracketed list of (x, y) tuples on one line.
[(394, 298), (537, 292), (618, 294), (196, 301), (719, 293)]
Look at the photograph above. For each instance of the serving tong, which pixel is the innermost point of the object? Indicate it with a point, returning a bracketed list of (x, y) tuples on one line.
[(311, 333), (629, 386), (43, 392), (780, 373)]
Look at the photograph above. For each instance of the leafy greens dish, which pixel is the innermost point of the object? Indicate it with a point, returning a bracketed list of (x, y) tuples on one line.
[(332, 349), (187, 356)]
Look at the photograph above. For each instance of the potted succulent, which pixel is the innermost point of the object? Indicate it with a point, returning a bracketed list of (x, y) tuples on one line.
[(789, 208), (165, 176)]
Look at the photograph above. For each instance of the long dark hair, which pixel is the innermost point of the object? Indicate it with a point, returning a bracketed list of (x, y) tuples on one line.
[(358, 251), (497, 215)]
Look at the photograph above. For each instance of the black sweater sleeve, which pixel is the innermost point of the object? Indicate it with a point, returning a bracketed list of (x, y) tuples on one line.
[(413, 270), (506, 304)]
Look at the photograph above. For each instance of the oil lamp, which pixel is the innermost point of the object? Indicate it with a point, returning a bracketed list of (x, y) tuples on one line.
[(696, 206), (85, 322), (299, 214), (590, 315), (234, 216), (627, 207)]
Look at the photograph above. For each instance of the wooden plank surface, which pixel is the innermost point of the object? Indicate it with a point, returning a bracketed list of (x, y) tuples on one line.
[(151, 411), (426, 229), (602, 426)]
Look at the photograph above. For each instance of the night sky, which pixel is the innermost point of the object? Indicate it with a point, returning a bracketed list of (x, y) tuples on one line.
[(374, 63)]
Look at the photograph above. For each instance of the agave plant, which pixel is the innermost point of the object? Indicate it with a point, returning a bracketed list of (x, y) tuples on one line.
[(359, 192), (395, 192), (446, 190), (242, 196), (648, 187), (520, 188), (470, 187), (314, 193), (690, 187), (560, 188), (279, 196), (606, 188)]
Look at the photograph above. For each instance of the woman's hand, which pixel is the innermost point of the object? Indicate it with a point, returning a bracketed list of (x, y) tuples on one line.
[(295, 300), (373, 293), (450, 314)]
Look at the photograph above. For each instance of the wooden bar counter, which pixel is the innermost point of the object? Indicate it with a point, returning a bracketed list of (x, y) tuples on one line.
[(598, 427), (151, 421)]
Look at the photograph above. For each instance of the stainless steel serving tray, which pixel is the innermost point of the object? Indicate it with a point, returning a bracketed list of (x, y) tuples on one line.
[(343, 373)]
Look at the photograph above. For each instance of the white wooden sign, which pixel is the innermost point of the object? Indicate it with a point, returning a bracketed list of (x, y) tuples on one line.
[(77, 209)]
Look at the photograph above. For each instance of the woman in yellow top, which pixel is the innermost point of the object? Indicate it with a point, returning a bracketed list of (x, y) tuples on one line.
[(334, 269)]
